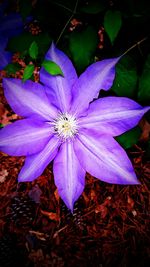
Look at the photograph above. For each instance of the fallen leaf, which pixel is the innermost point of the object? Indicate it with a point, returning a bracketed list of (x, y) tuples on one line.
[(51, 215)]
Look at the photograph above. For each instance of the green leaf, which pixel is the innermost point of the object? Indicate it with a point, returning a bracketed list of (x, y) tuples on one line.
[(25, 8), (33, 50), (82, 46), (22, 42), (52, 68), (144, 82), (28, 71), (94, 6), (1, 125), (112, 24), (129, 138), (12, 68), (126, 78)]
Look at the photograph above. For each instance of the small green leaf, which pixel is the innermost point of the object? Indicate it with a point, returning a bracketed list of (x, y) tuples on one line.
[(144, 82), (52, 68), (94, 6), (112, 24), (82, 46), (1, 125), (125, 82), (12, 68), (33, 50), (22, 42), (28, 71), (129, 138)]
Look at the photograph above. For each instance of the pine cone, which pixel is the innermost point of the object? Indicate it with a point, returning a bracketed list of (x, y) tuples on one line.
[(75, 218), (23, 210)]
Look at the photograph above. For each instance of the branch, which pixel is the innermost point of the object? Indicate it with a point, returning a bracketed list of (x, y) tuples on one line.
[(133, 46)]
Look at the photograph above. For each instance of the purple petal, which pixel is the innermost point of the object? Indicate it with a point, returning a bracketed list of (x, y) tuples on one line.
[(28, 99), (99, 75), (102, 157), (59, 87), (35, 164), (112, 115), (68, 174), (24, 137)]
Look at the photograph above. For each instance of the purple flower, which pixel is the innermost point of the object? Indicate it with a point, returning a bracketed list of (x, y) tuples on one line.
[(61, 123)]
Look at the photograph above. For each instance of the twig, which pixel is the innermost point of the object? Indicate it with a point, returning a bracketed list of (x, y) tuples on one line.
[(41, 236), (67, 23), (60, 230), (60, 5), (133, 46)]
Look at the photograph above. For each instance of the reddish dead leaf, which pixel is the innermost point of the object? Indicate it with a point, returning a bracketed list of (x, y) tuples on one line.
[(101, 38), (137, 160), (145, 126), (93, 195), (103, 210), (2, 109), (130, 202), (56, 195), (34, 28), (42, 180), (94, 227), (36, 74), (51, 215), (3, 175), (86, 199), (74, 23)]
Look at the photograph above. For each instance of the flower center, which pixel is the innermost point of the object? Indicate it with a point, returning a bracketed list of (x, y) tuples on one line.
[(65, 126)]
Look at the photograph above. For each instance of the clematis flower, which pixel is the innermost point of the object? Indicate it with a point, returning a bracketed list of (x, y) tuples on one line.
[(62, 123)]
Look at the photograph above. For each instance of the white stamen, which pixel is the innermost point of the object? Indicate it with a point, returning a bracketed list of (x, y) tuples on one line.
[(65, 126)]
